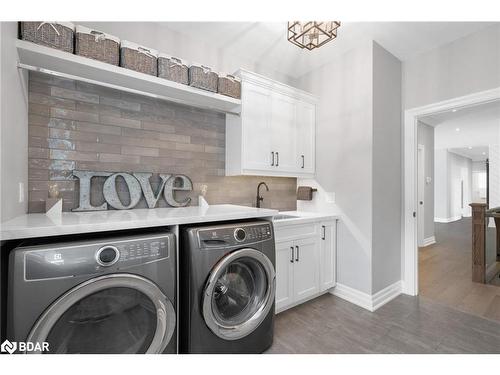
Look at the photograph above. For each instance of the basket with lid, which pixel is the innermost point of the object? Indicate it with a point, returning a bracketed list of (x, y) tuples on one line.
[(138, 58), (97, 45), (59, 35), (229, 85), (203, 77), (173, 69)]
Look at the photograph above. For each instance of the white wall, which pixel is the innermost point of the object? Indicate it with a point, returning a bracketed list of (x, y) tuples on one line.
[(441, 199), (14, 126), (344, 156), (425, 136), (494, 169), (158, 36), (467, 65), (358, 160), (479, 182), (386, 162), (450, 170)]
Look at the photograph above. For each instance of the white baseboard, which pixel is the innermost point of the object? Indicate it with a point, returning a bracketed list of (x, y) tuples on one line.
[(352, 295), (429, 241), (446, 219), (365, 300), (387, 294)]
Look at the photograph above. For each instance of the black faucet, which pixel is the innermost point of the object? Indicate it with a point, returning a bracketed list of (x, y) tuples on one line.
[(259, 198)]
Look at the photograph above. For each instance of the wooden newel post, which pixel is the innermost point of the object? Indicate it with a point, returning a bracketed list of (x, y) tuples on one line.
[(478, 241)]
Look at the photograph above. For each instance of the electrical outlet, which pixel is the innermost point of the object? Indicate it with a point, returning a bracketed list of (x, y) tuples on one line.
[(21, 192)]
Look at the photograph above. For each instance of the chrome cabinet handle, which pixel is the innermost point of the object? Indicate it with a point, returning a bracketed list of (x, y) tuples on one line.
[(297, 258), (324, 232), (303, 161), (272, 158), (291, 259), (277, 158)]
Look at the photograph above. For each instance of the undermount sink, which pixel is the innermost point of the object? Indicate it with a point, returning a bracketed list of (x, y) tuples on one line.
[(284, 217)]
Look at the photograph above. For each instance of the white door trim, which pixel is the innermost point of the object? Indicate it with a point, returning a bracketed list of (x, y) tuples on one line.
[(421, 195), (410, 254)]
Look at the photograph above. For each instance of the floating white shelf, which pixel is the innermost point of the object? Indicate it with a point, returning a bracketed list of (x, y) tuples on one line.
[(63, 64)]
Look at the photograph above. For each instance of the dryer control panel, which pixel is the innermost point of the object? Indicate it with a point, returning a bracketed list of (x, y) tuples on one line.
[(89, 257), (234, 235)]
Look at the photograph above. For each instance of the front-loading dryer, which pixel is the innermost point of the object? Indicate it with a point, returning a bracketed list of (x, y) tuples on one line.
[(103, 295), (227, 288)]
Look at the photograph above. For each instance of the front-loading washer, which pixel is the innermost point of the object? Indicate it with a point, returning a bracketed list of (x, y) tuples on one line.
[(227, 288), (104, 295)]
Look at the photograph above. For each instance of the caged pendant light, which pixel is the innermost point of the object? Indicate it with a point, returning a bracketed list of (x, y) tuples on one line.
[(312, 34)]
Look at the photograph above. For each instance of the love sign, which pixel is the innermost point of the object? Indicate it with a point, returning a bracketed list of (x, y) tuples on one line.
[(138, 185)]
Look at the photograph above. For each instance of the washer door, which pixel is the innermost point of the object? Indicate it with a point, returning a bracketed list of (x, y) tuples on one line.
[(118, 313), (239, 294)]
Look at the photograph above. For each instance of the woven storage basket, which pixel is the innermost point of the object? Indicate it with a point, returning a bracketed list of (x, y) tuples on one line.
[(229, 85), (173, 69), (97, 45), (58, 35), (138, 58), (203, 77)]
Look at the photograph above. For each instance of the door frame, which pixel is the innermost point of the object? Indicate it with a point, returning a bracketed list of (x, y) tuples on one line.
[(421, 186), (409, 256)]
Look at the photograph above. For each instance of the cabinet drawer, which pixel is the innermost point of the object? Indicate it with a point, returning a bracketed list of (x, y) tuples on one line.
[(288, 232)]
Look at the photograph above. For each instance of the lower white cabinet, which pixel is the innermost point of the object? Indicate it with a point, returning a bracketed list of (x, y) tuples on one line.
[(305, 266), (328, 254)]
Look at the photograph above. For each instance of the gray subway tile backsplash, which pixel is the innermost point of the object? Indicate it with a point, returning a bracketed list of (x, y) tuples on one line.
[(76, 125)]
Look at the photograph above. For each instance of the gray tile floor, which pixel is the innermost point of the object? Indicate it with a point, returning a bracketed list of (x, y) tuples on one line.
[(407, 324)]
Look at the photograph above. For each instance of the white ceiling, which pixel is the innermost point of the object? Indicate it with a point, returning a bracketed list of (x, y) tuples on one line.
[(479, 153), (479, 114), (266, 42), (475, 126)]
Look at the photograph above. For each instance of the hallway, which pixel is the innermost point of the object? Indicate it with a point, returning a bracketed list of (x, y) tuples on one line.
[(445, 273)]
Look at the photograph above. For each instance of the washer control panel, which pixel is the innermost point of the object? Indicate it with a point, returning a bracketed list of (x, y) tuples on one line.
[(234, 235), (86, 257)]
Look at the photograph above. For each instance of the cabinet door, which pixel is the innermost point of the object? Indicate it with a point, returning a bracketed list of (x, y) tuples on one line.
[(328, 255), (306, 268), (283, 132), (306, 133), (284, 274), (256, 127)]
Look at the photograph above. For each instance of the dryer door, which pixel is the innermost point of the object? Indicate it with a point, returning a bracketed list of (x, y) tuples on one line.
[(118, 313), (239, 294)]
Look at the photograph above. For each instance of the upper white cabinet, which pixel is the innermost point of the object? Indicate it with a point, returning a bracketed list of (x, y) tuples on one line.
[(306, 120), (275, 133)]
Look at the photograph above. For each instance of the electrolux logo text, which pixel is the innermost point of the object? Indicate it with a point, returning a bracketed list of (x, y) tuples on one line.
[(23, 347)]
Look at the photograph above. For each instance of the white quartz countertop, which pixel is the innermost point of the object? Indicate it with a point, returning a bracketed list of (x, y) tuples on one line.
[(41, 225), (302, 217)]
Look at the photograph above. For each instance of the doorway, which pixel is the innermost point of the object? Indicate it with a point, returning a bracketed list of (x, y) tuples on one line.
[(461, 142), (410, 204)]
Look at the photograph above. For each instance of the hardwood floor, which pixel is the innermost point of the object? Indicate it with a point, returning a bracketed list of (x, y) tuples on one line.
[(445, 273), (407, 324), (451, 315)]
